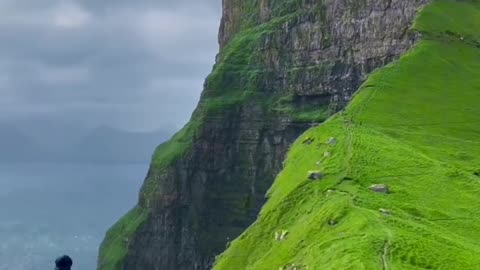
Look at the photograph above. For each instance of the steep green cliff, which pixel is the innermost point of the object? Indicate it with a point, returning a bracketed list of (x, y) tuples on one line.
[(283, 67), (412, 130)]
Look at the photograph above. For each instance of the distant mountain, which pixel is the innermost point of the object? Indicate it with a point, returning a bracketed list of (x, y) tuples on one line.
[(100, 145), (110, 145), (56, 135), (16, 146)]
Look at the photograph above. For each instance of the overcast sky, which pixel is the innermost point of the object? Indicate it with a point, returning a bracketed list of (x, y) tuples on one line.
[(131, 64)]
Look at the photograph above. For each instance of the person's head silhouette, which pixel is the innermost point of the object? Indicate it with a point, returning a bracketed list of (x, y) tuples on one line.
[(63, 263)]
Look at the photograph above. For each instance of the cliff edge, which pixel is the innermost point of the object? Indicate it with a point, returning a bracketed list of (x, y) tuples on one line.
[(283, 67)]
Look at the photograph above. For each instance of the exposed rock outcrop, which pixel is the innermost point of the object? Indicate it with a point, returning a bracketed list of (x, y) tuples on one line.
[(283, 67), (315, 175), (380, 188)]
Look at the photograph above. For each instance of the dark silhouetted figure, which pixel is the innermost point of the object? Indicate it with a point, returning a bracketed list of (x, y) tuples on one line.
[(63, 263)]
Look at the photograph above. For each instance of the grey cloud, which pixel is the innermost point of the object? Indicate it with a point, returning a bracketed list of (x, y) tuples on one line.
[(133, 64)]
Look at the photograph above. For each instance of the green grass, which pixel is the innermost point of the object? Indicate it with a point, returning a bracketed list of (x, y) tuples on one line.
[(314, 114), (117, 240), (414, 126), (311, 113), (169, 151)]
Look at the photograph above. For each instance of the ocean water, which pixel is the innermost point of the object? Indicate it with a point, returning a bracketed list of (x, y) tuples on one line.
[(47, 210)]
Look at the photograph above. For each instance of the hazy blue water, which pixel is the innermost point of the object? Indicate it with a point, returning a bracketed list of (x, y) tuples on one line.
[(50, 209)]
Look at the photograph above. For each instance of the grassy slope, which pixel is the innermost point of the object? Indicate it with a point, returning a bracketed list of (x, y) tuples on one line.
[(117, 239), (414, 125)]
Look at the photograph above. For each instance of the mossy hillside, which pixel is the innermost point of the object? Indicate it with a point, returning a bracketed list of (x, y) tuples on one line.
[(436, 20), (414, 127), (232, 81), (237, 78), (249, 12), (118, 238)]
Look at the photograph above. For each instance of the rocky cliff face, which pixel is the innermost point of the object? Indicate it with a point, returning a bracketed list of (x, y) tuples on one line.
[(283, 67)]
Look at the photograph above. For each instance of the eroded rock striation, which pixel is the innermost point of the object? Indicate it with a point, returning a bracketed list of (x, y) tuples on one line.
[(283, 66)]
